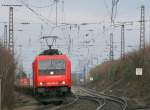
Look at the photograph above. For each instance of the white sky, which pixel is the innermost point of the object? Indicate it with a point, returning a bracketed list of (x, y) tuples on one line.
[(75, 12)]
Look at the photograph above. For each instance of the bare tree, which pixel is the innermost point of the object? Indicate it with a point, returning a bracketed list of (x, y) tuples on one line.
[(7, 72)]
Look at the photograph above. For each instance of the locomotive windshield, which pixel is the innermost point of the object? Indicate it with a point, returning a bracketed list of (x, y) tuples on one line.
[(51, 67)]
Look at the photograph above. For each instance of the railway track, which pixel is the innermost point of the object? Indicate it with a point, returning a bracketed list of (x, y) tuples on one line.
[(87, 99), (103, 101), (68, 105), (110, 102), (63, 105)]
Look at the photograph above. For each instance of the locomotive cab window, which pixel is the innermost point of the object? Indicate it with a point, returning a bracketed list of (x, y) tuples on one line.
[(51, 67)]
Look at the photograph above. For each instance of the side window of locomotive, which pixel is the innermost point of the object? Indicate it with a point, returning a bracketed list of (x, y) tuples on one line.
[(51, 67)]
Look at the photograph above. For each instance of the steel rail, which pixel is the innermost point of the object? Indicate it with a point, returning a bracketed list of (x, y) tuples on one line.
[(93, 97), (47, 107), (122, 101)]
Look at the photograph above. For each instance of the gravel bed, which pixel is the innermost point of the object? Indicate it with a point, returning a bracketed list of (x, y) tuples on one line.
[(24, 102), (82, 104)]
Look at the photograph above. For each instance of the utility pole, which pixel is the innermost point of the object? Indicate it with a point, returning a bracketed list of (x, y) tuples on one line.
[(122, 24), (11, 31), (113, 16), (114, 11), (5, 36), (56, 1), (62, 12), (122, 42), (41, 34), (84, 74), (111, 53), (142, 28), (142, 37)]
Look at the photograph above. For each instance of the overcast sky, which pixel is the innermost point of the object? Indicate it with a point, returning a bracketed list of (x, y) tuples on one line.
[(75, 12)]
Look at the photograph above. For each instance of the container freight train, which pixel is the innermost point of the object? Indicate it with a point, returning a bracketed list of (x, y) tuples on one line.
[(51, 75)]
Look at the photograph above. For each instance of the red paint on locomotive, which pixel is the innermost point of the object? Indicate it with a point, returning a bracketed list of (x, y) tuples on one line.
[(51, 72)]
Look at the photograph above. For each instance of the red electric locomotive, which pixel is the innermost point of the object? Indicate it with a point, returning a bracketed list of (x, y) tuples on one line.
[(51, 74)]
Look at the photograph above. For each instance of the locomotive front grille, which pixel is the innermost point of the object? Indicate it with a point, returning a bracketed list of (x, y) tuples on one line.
[(53, 91)]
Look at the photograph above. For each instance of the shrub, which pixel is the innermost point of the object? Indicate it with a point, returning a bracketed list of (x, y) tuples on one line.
[(113, 72), (7, 71), (124, 69)]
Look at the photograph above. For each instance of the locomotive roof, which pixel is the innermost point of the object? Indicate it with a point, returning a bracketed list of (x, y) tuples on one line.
[(43, 57), (51, 52)]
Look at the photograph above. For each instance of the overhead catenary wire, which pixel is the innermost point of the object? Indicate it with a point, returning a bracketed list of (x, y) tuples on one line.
[(45, 6), (107, 7), (42, 18), (114, 10)]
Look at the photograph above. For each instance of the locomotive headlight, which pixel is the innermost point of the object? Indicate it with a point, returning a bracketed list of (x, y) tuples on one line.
[(41, 83), (51, 73), (63, 82)]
